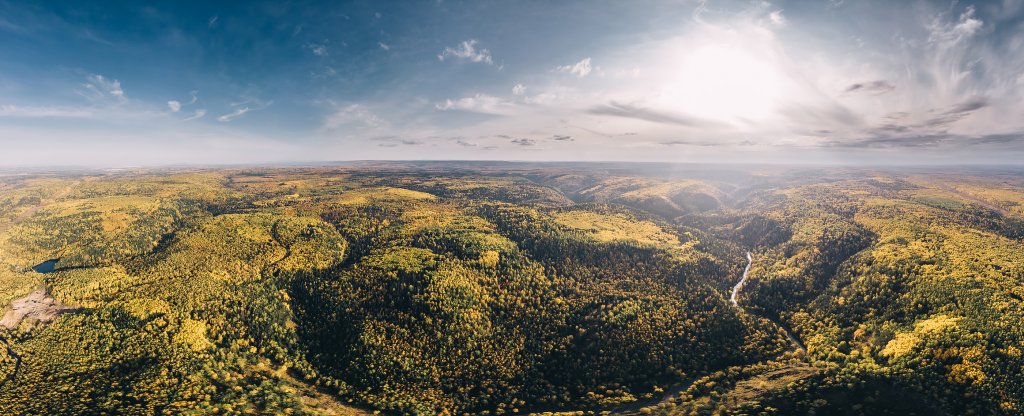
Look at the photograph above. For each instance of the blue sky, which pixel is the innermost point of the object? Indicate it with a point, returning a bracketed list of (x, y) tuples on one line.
[(129, 83)]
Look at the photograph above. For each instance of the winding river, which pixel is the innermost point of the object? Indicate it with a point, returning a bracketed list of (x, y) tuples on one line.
[(736, 289), (674, 392)]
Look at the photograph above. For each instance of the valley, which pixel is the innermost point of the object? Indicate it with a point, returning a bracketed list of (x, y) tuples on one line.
[(512, 288)]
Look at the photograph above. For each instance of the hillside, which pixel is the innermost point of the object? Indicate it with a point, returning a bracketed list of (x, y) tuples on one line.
[(447, 288)]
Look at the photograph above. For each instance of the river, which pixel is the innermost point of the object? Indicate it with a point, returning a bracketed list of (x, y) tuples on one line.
[(736, 289)]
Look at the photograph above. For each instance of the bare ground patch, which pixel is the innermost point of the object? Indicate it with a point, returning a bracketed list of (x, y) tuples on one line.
[(37, 306)]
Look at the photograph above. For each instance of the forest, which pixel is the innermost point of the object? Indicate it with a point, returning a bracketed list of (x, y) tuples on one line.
[(427, 288)]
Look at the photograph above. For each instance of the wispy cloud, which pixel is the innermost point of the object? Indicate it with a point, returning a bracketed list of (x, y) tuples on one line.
[(956, 113), (467, 50), (90, 35), (886, 142), (678, 142), (106, 102), (974, 103), (102, 112), (233, 115), (479, 103), (351, 116), (242, 109), (318, 49), (873, 87), (176, 106), (923, 75), (727, 83), (580, 69), (949, 33), (654, 116), (45, 112), (394, 141), (525, 142), (198, 114), (99, 88)]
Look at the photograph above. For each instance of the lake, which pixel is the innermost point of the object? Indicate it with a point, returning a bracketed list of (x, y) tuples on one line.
[(46, 267)]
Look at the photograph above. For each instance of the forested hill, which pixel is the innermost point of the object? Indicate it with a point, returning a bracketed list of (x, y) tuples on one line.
[(429, 288)]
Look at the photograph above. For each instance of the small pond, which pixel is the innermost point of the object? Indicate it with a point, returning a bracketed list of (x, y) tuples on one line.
[(46, 267)]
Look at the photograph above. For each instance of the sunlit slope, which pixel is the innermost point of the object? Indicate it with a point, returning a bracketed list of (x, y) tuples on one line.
[(191, 318), (274, 290), (906, 285), (327, 291), (473, 303)]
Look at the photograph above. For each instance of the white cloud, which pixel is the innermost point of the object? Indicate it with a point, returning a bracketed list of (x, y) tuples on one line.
[(968, 25), (103, 112), (543, 98), (233, 115), (96, 146), (107, 103), (318, 49), (950, 33), (113, 87), (241, 108), (713, 87), (17, 111), (755, 85), (479, 103), (467, 50), (353, 116), (176, 105), (580, 69), (200, 113), (99, 88)]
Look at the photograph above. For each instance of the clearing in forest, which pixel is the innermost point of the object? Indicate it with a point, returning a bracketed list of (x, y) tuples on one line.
[(38, 306)]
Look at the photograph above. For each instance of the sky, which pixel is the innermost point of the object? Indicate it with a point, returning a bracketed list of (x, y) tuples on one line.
[(126, 83)]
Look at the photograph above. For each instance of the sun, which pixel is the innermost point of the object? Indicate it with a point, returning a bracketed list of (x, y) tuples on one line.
[(726, 83)]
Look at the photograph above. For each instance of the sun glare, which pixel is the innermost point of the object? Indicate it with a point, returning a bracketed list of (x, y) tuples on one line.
[(726, 83)]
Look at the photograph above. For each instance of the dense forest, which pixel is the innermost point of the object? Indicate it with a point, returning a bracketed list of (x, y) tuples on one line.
[(475, 288)]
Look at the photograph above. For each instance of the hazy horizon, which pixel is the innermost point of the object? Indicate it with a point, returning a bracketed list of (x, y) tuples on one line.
[(127, 84), (470, 164)]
